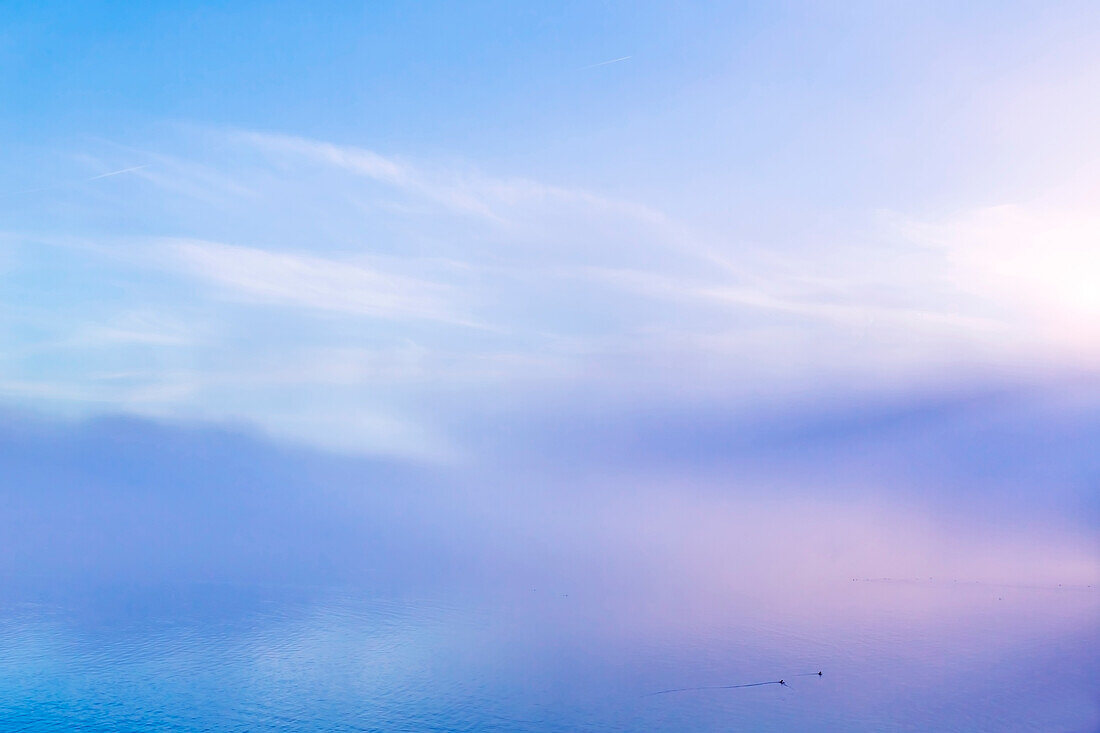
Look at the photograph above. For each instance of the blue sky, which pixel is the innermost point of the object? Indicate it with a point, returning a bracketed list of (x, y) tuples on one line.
[(369, 226)]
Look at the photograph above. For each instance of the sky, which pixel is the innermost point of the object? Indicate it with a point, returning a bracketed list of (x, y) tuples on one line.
[(392, 229)]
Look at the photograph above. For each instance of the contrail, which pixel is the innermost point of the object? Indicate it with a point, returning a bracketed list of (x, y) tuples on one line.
[(73, 183), (729, 687), (115, 173), (605, 63)]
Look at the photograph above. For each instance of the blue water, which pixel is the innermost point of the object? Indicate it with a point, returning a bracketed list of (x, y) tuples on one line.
[(203, 657), (169, 579)]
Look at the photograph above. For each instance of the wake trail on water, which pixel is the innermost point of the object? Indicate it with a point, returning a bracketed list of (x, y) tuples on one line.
[(730, 687)]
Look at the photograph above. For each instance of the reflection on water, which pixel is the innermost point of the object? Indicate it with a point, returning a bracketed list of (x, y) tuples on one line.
[(159, 579), (222, 657)]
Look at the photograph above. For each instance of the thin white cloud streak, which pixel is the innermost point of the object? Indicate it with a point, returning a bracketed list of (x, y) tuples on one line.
[(188, 178), (313, 282), (136, 327), (605, 63), (118, 172), (145, 393), (452, 196), (852, 312), (66, 184), (409, 363)]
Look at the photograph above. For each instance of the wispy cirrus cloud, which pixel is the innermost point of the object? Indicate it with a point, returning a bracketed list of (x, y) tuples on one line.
[(418, 274), (461, 190), (445, 190), (306, 281)]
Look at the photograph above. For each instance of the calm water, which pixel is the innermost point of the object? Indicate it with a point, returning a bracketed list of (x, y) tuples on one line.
[(354, 595), (896, 655)]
